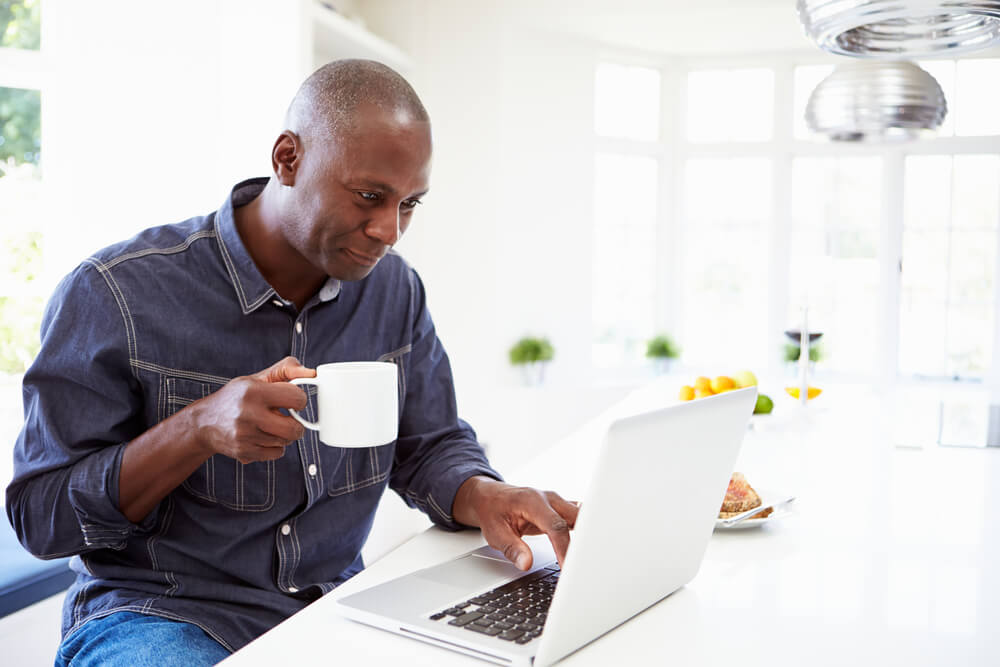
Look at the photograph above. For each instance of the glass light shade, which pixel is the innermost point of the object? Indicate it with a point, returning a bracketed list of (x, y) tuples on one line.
[(876, 101), (901, 28)]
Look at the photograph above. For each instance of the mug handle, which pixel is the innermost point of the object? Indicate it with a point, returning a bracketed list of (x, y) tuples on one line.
[(305, 422)]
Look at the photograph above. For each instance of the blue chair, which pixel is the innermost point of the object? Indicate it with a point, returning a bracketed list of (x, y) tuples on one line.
[(24, 579)]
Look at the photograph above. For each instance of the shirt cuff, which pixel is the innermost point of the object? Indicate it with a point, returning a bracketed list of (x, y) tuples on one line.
[(442, 498), (94, 495)]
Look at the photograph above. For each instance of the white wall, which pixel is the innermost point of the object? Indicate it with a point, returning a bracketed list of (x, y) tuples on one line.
[(504, 241), (152, 110)]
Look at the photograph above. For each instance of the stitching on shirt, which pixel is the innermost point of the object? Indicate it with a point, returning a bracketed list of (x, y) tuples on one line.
[(296, 556), (234, 276), (80, 597), (202, 234), (395, 353), (437, 508), (153, 539), (178, 373), (116, 292)]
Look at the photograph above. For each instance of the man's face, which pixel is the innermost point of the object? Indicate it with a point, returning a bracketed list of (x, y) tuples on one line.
[(355, 194)]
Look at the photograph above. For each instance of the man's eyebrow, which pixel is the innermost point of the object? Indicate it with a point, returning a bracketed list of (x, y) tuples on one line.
[(385, 187)]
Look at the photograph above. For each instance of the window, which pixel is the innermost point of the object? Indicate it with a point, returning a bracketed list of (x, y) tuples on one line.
[(773, 217), (951, 208), (833, 255), (626, 197), (727, 203), (730, 105), (22, 201)]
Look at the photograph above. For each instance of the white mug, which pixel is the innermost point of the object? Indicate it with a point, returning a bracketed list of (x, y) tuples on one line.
[(357, 403)]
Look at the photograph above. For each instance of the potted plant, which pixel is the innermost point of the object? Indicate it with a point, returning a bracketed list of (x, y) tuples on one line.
[(662, 350), (531, 355)]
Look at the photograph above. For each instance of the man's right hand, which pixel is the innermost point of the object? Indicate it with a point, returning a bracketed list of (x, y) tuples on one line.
[(242, 420)]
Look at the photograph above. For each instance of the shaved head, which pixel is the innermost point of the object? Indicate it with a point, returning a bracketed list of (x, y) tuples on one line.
[(330, 100)]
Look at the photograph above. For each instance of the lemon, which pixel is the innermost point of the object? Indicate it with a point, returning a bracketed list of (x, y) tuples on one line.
[(686, 393), (764, 405), (812, 392), (745, 379), (722, 383)]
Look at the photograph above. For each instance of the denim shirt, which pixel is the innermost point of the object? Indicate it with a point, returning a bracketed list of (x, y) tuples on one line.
[(145, 327)]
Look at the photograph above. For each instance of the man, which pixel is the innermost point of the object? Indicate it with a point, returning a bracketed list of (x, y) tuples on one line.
[(156, 445)]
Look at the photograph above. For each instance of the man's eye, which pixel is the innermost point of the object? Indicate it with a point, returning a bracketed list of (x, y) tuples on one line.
[(409, 204)]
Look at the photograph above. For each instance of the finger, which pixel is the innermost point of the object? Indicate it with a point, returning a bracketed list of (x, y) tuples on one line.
[(512, 546), (280, 426), (287, 369), (552, 523), (567, 509), (258, 453), (282, 395)]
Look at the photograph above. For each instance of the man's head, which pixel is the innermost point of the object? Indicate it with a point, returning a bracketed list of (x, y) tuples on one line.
[(353, 164)]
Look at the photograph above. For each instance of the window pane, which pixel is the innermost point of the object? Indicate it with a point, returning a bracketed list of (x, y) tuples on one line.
[(949, 263), (836, 209), (627, 102), (20, 22), (625, 201), (730, 105), (20, 130), (807, 77), (727, 203), (977, 103)]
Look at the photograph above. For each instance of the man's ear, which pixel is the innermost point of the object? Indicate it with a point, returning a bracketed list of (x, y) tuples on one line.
[(286, 157)]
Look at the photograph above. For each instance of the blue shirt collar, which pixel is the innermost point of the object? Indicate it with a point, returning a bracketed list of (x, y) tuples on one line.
[(252, 289)]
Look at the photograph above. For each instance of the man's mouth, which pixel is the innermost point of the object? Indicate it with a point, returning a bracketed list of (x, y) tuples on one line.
[(362, 258)]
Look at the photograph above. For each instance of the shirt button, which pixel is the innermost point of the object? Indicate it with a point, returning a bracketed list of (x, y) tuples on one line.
[(312, 469), (286, 529), (293, 589), (298, 327)]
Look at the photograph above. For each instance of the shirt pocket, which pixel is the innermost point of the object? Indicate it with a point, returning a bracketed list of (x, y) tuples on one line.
[(356, 469), (244, 487)]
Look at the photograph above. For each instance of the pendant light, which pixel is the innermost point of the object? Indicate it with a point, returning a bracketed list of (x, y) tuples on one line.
[(876, 100), (901, 28)]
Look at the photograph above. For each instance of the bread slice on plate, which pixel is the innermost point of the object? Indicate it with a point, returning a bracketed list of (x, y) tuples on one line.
[(740, 497)]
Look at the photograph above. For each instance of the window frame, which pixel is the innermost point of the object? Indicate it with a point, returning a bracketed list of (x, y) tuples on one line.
[(673, 150)]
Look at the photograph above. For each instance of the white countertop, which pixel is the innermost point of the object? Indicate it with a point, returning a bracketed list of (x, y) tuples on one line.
[(888, 557)]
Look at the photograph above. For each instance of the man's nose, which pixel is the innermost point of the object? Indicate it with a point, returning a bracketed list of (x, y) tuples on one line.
[(385, 227)]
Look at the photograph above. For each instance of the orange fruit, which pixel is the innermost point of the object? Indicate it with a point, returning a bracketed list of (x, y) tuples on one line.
[(722, 383), (812, 392), (686, 393), (703, 383)]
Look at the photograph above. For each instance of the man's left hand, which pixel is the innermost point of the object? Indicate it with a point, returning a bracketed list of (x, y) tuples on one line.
[(505, 513)]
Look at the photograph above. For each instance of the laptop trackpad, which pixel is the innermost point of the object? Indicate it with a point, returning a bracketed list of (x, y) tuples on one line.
[(472, 572)]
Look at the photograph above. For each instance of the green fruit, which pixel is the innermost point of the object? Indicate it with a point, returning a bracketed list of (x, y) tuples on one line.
[(764, 405)]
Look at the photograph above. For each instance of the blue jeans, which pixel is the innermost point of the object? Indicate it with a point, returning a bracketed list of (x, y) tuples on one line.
[(128, 638)]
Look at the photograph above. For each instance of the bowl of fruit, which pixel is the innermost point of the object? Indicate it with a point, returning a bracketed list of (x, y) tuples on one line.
[(705, 386)]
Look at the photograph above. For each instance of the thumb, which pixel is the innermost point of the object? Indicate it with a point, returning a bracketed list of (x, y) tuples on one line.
[(287, 369), (517, 552)]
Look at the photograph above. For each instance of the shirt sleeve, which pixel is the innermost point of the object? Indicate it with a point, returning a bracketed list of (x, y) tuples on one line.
[(82, 404), (435, 451)]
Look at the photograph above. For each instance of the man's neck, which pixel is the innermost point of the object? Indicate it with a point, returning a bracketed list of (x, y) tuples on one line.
[(260, 227)]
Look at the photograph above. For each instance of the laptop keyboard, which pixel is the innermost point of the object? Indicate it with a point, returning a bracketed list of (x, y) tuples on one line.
[(513, 612)]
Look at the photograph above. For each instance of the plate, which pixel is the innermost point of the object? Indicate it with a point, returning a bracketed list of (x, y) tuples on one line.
[(779, 512)]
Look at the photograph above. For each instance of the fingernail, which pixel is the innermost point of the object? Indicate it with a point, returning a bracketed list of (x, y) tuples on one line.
[(522, 560)]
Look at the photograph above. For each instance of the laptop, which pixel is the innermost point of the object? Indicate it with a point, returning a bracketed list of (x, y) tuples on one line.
[(641, 534)]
